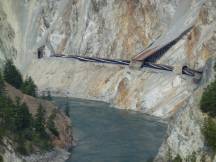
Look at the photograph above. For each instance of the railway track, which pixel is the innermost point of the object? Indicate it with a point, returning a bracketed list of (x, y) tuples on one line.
[(185, 69)]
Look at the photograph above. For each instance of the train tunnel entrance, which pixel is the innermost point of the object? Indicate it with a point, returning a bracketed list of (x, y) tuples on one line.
[(40, 52)]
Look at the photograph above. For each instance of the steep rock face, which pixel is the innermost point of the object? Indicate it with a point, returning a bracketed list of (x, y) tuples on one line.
[(154, 92), (112, 29), (93, 28), (7, 35), (115, 29), (184, 135)]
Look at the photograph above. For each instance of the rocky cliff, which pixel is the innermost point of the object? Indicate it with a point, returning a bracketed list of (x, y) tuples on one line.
[(115, 29), (184, 136)]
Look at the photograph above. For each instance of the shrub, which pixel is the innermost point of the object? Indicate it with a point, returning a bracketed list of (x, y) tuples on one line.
[(209, 131), (12, 75)]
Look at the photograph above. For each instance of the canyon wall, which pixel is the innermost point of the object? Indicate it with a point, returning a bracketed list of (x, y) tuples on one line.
[(114, 29), (184, 135), (154, 92), (109, 29)]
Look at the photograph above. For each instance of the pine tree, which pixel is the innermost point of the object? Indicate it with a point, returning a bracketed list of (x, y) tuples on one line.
[(43, 95), (29, 87), (67, 108), (2, 85), (49, 97), (26, 116), (12, 75), (22, 118), (40, 121), (46, 96), (1, 159), (208, 101)]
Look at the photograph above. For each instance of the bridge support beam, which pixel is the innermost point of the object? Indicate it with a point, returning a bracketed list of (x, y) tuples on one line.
[(135, 65)]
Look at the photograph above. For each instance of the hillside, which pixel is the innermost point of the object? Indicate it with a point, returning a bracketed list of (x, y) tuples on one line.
[(63, 142)]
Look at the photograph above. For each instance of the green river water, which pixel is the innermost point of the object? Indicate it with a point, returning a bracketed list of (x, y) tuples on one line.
[(107, 134)]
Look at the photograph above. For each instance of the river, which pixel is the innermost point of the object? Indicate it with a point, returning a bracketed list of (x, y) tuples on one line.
[(107, 134)]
